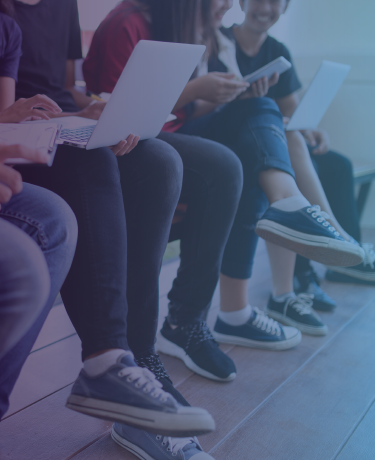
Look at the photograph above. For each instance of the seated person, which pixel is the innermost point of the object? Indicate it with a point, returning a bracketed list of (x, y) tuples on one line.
[(107, 57), (255, 48), (108, 286)]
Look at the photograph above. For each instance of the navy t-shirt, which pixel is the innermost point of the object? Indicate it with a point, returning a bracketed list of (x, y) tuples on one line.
[(270, 50), (51, 36), (10, 47)]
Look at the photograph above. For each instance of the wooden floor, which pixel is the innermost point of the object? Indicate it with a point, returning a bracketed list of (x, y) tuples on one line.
[(315, 402)]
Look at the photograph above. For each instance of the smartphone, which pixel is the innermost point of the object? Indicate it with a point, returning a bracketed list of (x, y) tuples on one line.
[(279, 66)]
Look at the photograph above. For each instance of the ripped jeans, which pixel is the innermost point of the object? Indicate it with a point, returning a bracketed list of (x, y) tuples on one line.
[(253, 129)]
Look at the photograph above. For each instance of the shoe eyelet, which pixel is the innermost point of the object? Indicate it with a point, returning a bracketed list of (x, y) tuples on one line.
[(137, 385), (120, 374), (168, 449), (146, 390), (158, 437), (309, 210), (325, 224), (163, 443), (129, 379), (163, 400), (320, 220), (314, 214)]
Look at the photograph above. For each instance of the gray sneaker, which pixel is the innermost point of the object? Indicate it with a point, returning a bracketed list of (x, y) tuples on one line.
[(130, 394), (149, 446)]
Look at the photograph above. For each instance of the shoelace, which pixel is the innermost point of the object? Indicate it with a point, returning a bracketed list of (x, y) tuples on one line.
[(154, 364), (302, 303), (145, 379), (369, 254), (322, 217), (265, 323), (199, 331), (175, 444)]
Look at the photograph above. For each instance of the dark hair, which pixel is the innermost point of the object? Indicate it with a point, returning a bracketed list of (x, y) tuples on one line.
[(179, 20), (7, 7)]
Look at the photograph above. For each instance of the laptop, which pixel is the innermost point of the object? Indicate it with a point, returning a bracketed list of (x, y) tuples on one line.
[(145, 94), (318, 96)]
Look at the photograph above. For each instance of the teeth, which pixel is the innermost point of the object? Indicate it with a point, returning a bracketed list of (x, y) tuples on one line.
[(262, 19)]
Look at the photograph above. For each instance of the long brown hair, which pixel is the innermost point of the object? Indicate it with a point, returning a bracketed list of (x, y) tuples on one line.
[(7, 7), (180, 21)]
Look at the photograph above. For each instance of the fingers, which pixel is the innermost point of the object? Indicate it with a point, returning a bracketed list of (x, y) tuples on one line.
[(132, 142), (10, 183), (310, 138), (42, 101), (20, 151), (273, 80), (119, 149)]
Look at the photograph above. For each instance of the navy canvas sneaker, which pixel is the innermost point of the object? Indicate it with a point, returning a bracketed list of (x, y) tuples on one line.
[(308, 233), (149, 446), (194, 344), (308, 282), (259, 331), (363, 273), (130, 394), (297, 312)]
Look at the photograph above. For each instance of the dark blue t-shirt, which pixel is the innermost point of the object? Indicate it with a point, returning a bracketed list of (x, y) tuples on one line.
[(10, 47), (270, 50)]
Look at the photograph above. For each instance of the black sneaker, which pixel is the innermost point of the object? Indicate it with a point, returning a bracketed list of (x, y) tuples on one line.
[(297, 312), (308, 233), (308, 282), (128, 394), (153, 363), (363, 273), (195, 346)]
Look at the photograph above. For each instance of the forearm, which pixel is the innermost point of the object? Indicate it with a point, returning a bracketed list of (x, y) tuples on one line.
[(80, 99)]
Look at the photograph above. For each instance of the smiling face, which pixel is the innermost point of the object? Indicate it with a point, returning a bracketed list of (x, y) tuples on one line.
[(217, 10), (260, 15)]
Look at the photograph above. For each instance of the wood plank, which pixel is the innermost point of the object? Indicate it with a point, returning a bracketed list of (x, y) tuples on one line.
[(105, 449), (48, 431), (261, 372), (46, 371), (311, 414), (56, 327), (361, 444)]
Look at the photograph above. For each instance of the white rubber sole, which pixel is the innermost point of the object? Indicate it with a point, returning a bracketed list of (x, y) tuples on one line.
[(140, 453), (188, 421), (169, 348), (274, 346), (319, 248), (354, 273), (309, 330)]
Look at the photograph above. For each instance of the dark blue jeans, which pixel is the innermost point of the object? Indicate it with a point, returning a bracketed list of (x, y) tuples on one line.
[(124, 208), (254, 130), (38, 218)]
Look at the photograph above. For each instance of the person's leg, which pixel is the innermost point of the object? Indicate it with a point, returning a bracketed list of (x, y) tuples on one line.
[(211, 189), (24, 284), (95, 296), (51, 224)]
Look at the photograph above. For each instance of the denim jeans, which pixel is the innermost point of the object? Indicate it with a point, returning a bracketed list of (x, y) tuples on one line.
[(35, 218), (212, 185), (335, 172), (253, 129), (124, 208)]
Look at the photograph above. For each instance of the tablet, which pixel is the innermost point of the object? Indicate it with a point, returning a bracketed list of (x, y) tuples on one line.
[(279, 66)]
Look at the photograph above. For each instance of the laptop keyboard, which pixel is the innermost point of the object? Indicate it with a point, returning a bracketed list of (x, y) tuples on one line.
[(78, 135)]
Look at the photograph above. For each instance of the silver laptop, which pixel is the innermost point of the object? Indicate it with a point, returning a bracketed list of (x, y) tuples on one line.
[(145, 94), (318, 96)]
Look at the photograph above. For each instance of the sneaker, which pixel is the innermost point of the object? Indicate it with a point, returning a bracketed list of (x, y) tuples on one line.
[(308, 233), (297, 312), (308, 282), (363, 273), (260, 331), (194, 344), (153, 363), (149, 446), (129, 394)]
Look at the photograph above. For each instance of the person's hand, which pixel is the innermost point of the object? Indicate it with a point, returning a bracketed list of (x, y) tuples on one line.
[(219, 87), (260, 87), (124, 147), (10, 179), (28, 110), (318, 140), (93, 110)]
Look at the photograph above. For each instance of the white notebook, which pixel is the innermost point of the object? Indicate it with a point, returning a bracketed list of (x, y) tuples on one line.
[(40, 136)]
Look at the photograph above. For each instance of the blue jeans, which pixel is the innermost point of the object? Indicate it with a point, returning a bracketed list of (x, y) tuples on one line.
[(124, 207), (34, 218), (253, 129)]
